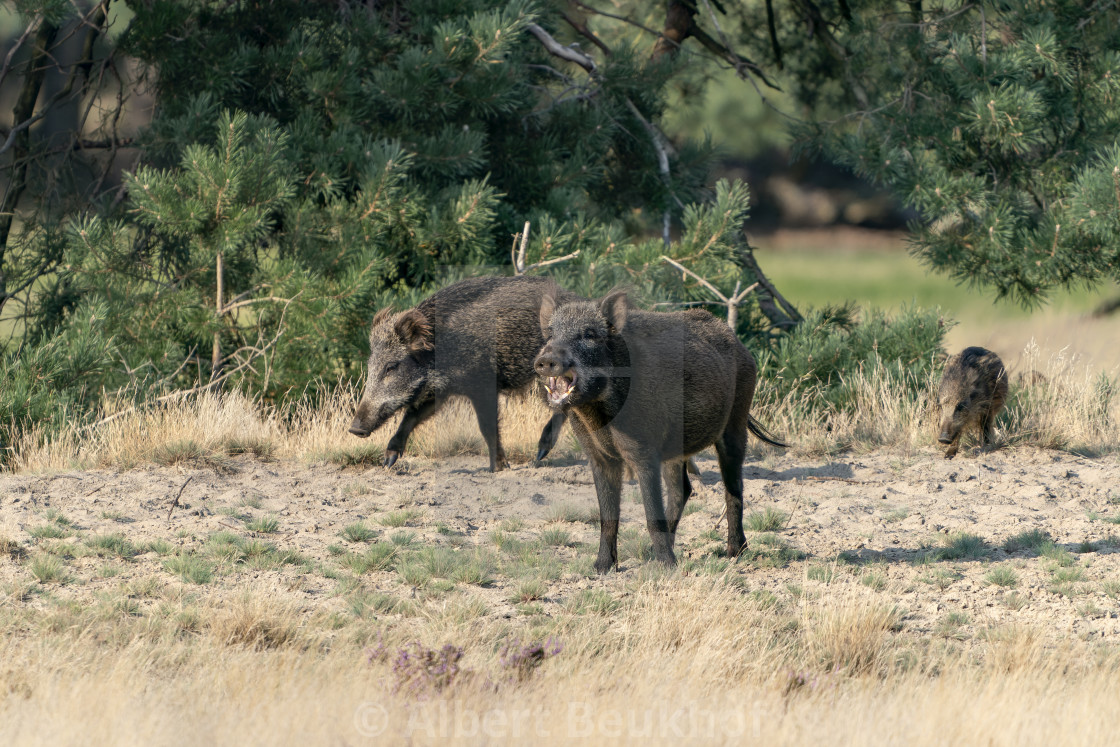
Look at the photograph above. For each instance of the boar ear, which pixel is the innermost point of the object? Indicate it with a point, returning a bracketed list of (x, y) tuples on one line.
[(381, 316), (414, 330), (548, 307), (614, 307)]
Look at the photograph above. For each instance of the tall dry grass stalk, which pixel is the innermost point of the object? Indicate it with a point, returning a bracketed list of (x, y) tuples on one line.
[(1059, 404), (692, 660)]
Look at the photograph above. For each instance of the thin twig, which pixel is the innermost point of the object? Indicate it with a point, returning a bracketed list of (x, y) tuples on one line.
[(175, 502)]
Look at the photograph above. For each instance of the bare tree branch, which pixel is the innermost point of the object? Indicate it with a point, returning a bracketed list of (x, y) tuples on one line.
[(557, 49), (731, 302)]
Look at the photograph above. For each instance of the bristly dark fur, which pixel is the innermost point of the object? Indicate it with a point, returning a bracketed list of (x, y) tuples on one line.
[(646, 390), (972, 392), (474, 338)]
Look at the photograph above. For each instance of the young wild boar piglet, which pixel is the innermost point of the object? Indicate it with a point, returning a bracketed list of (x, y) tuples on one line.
[(474, 338), (648, 390), (973, 389)]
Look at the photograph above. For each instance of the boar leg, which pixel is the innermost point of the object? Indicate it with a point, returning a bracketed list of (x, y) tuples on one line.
[(677, 492), (414, 415), (731, 449), (608, 487), (486, 410), (550, 434), (986, 438), (649, 480)]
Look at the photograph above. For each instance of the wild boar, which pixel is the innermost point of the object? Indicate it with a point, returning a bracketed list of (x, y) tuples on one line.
[(647, 390), (972, 392), (474, 338)]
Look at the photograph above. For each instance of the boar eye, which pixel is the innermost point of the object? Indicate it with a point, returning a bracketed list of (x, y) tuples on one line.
[(392, 366), (591, 333)]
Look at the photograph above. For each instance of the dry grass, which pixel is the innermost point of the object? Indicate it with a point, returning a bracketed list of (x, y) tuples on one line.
[(1070, 407), (212, 428), (715, 653), (728, 669)]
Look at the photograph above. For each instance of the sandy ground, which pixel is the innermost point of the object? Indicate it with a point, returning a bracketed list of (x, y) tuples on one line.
[(876, 515)]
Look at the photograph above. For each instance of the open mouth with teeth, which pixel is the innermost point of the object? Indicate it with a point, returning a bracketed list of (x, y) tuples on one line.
[(560, 387)]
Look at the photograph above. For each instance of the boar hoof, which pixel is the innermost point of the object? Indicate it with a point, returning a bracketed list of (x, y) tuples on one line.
[(603, 567), (391, 458), (541, 454)]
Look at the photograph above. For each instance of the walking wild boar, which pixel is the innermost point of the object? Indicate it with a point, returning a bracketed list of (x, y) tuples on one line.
[(647, 390), (474, 338), (973, 389)]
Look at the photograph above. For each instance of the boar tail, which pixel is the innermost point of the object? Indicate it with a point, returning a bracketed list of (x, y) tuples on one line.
[(760, 431)]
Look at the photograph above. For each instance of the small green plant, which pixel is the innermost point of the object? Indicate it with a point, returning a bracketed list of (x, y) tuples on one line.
[(50, 531), (1068, 575), (110, 570), (356, 489), (263, 525), (116, 516), (400, 518), (377, 557), (513, 524), (440, 561), (896, 514), (950, 625), (113, 544), (1111, 588), (160, 547), (529, 590), (1033, 540), (1088, 609), (822, 573), (963, 546), (363, 604), (1057, 554), (47, 568), (178, 452), (252, 500), (1002, 576), (478, 570), (768, 520), (359, 455), (592, 602), (634, 544), (574, 513), (357, 532), (190, 568), (403, 539), (941, 578), (874, 580), (555, 537), (413, 572), (55, 516)]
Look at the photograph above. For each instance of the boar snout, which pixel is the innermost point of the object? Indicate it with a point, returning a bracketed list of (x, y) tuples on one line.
[(945, 438), (549, 363), (357, 429), (366, 422), (557, 371)]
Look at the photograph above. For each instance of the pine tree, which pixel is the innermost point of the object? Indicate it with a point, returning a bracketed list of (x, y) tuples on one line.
[(996, 121)]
